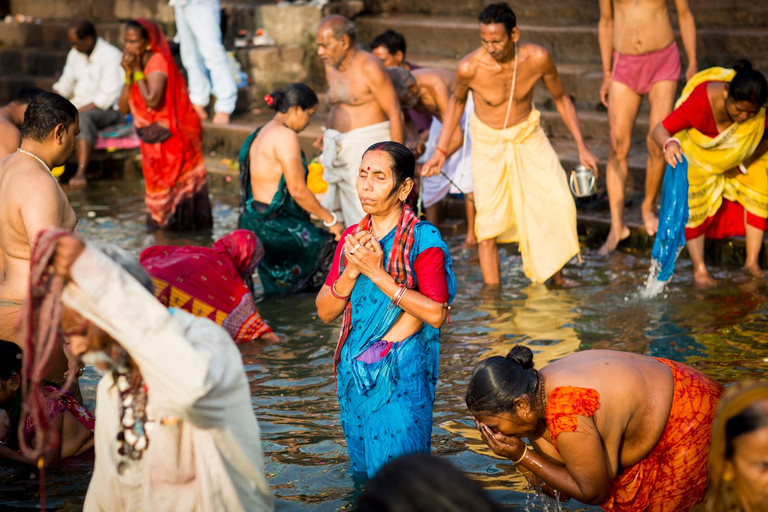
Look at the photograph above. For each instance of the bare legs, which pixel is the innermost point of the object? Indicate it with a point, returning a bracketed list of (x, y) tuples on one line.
[(696, 251), (469, 206), (83, 150), (489, 261), (662, 100)]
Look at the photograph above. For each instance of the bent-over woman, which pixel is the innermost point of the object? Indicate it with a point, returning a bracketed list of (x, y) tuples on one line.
[(276, 202), (719, 125), (623, 431), (392, 281), (169, 129)]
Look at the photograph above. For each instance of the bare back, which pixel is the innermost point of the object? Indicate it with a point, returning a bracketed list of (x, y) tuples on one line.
[(10, 136), (435, 85), (266, 168), (30, 200), (354, 102), (636, 395), (641, 26)]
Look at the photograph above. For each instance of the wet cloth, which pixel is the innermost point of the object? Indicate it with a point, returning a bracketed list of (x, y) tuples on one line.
[(204, 450), (673, 476), (174, 171), (673, 215), (342, 153), (55, 401), (457, 168), (640, 72), (522, 195), (386, 406), (297, 253), (209, 282), (709, 157)]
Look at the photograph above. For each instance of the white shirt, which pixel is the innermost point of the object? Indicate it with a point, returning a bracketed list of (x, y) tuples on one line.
[(97, 78), (208, 460)]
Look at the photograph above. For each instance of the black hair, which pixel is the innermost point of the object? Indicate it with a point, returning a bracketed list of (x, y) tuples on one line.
[(10, 359), (135, 25), (750, 419), (394, 41), (293, 95), (498, 381), (83, 29), (499, 13), (25, 95), (420, 483), (340, 27), (403, 163), (748, 84), (44, 113)]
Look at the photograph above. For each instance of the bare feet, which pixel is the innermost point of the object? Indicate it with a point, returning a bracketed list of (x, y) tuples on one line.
[(650, 220), (220, 118), (702, 279), (78, 181), (558, 280), (201, 112), (613, 240), (754, 270), (270, 336)]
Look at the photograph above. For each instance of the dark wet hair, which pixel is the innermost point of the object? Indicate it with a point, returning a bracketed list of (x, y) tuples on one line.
[(748, 84), (293, 95), (44, 113), (498, 381), (83, 29), (10, 359), (750, 419), (422, 483), (340, 27), (25, 95), (499, 13), (135, 25), (394, 41), (403, 163)]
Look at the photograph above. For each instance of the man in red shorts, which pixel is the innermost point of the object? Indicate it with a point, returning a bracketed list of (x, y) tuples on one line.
[(640, 57)]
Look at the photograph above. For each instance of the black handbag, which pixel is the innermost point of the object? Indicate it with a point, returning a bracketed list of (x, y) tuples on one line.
[(153, 134)]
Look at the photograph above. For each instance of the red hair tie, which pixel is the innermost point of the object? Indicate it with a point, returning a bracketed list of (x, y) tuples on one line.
[(269, 99)]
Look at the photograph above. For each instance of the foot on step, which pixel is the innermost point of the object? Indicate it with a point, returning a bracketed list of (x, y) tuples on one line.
[(613, 241), (754, 270), (650, 221), (201, 112), (221, 118)]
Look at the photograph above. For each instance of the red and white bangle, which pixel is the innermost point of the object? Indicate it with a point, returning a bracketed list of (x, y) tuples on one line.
[(335, 293), (399, 296), (671, 139)]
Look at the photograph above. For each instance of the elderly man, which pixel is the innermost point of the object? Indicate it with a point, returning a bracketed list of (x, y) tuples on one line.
[(176, 429), (640, 57), (92, 80), (521, 192), (11, 118), (32, 200), (364, 110)]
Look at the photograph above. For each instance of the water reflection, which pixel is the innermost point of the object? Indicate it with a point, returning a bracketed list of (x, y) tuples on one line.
[(722, 331)]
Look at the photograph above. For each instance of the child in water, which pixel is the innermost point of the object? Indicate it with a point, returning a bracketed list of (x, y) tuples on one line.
[(71, 426)]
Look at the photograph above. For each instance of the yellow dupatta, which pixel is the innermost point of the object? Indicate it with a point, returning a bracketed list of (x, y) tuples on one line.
[(708, 158)]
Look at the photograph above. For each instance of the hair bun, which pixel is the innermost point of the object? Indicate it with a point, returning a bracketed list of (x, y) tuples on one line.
[(522, 355), (742, 65)]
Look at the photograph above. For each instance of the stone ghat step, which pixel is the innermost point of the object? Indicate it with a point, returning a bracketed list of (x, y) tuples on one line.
[(11, 83), (455, 37), (33, 61), (53, 34)]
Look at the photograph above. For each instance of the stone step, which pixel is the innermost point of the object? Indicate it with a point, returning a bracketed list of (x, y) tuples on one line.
[(33, 61), (10, 83), (95, 10), (454, 37), (53, 34)]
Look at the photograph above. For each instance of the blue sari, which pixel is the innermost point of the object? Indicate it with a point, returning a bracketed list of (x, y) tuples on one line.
[(386, 406)]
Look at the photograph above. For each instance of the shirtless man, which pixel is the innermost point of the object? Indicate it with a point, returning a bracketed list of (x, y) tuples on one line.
[(11, 117), (364, 110), (640, 56), (32, 200), (521, 192)]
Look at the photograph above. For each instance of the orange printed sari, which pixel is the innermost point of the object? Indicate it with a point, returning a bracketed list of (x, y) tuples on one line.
[(673, 476), (174, 171)]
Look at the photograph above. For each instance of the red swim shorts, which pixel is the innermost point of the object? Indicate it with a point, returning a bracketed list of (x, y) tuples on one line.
[(640, 72)]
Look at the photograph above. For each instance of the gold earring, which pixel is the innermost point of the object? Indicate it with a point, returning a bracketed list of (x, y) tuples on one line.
[(149, 48)]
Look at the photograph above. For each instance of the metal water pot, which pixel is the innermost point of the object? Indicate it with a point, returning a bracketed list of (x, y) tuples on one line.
[(582, 182)]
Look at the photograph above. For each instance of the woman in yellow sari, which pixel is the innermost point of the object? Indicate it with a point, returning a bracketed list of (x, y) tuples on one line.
[(719, 126)]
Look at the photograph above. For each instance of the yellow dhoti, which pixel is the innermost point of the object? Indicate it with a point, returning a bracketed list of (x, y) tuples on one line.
[(522, 195)]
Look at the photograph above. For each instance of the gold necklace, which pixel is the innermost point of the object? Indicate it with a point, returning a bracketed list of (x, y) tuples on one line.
[(36, 158)]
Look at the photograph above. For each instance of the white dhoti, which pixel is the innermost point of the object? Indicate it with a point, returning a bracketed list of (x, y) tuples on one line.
[(457, 168), (342, 153)]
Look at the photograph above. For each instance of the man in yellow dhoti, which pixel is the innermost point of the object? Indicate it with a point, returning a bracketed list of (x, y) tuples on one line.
[(521, 192), (719, 124)]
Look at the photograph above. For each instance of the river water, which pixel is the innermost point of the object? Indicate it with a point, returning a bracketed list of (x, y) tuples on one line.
[(722, 332)]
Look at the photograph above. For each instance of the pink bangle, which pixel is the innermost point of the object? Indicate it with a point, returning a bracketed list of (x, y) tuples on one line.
[(671, 139), (399, 296), (335, 294)]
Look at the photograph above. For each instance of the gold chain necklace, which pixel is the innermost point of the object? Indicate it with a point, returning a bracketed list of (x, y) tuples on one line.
[(36, 158)]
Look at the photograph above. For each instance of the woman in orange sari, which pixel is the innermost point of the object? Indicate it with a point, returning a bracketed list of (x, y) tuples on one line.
[(169, 129)]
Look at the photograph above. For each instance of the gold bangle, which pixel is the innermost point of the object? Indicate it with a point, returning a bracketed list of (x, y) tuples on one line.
[(138, 75), (128, 78), (516, 462)]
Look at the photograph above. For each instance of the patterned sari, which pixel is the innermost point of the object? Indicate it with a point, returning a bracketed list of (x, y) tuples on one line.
[(386, 401), (174, 171), (297, 253)]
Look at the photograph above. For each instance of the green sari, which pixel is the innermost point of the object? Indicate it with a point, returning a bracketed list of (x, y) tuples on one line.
[(297, 253)]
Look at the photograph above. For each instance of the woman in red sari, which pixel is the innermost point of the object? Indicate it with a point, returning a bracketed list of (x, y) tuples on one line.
[(169, 129)]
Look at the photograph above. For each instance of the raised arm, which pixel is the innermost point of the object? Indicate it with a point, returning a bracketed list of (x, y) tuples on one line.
[(381, 86), (605, 39), (688, 34)]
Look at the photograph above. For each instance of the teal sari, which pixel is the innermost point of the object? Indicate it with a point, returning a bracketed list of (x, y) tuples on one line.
[(297, 254)]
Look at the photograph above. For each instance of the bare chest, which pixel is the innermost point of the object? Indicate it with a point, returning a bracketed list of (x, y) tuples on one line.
[(348, 87), (492, 87)]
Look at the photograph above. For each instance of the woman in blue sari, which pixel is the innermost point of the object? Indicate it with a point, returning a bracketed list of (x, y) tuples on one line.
[(392, 281)]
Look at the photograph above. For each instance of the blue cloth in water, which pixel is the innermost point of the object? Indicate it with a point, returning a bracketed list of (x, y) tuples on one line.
[(673, 216), (386, 405)]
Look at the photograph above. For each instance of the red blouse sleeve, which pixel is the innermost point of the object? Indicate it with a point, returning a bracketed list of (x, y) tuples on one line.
[(565, 404), (333, 274), (695, 112), (429, 268)]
